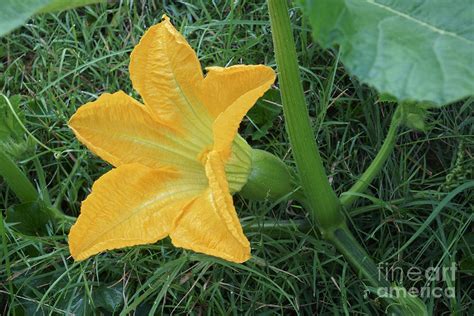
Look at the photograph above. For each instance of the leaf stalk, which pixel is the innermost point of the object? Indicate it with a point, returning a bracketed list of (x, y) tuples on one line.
[(349, 197)]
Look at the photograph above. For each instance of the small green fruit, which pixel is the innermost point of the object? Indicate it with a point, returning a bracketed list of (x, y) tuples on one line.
[(269, 178)]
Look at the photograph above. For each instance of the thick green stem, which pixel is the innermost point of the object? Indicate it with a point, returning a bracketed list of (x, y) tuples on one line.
[(17, 180), (349, 197), (320, 197)]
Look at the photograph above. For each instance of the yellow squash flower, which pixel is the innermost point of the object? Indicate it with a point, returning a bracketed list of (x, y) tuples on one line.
[(177, 156)]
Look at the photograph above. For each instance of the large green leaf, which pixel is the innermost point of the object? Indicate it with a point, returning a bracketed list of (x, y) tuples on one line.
[(14, 13), (59, 5), (415, 50)]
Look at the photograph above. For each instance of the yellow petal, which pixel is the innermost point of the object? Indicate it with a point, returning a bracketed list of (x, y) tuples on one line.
[(120, 130), (227, 123), (239, 165), (130, 205), (210, 224), (166, 72), (226, 85)]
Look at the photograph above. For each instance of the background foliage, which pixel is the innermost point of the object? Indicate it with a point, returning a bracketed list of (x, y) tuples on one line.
[(59, 61)]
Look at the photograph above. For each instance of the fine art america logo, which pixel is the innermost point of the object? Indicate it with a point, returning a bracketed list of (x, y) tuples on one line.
[(432, 282)]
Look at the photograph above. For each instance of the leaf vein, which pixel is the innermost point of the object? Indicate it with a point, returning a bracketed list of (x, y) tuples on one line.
[(425, 24)]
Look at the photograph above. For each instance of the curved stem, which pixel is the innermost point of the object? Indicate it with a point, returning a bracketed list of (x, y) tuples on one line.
[(350, 196), (324, 204), (17, 181)]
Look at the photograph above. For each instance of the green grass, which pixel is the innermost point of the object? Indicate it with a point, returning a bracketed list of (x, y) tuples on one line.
[(59, 62)]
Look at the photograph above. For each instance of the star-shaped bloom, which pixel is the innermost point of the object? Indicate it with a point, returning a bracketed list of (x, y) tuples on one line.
[(177, 156)]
